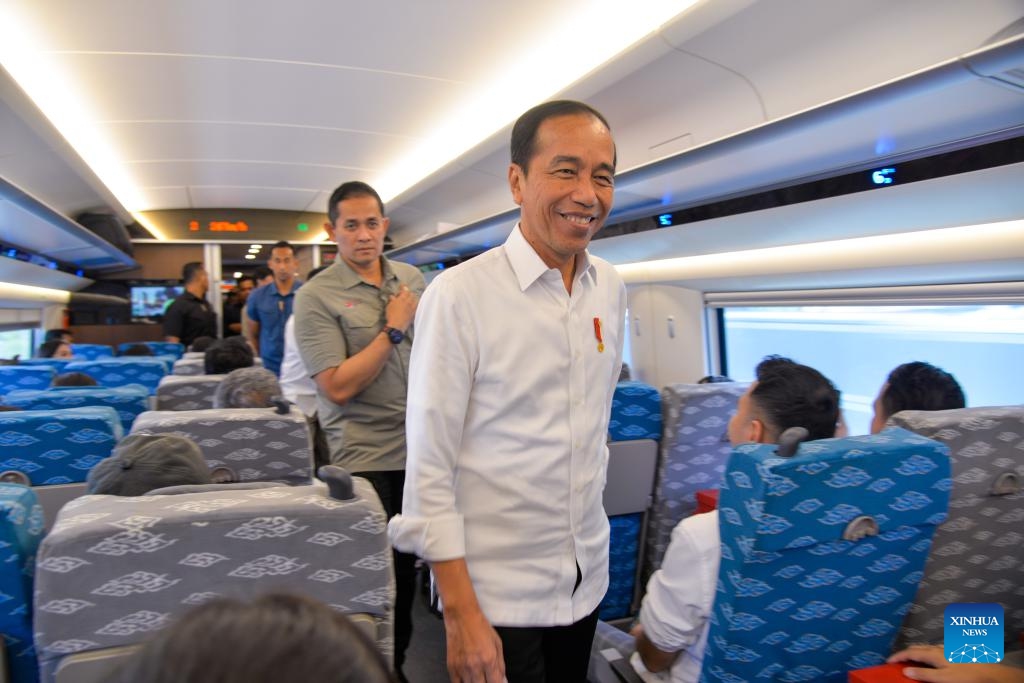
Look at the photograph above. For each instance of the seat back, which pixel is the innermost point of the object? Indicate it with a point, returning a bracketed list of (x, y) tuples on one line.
[(116, 569), (57, 446), (58, 364), (128, 401), (633, 430), (821, 554), (157, 347), (977, 554), (190, 366), (117, 372), (92, 351), (21, 528), (14, 377), (692, 457), (187, 392), (255, 444), (191, 355)]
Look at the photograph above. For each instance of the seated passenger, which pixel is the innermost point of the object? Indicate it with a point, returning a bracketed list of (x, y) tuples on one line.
[(202, 343), (916, 386), (54, 349), (937, 669), (141, 463), (277, 637), (73, 379), (673, 624), (138, 350), (247, 388), (226, 355)]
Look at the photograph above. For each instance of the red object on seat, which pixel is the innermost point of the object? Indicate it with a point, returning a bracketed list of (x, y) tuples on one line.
[(886, 673), (707, 500)]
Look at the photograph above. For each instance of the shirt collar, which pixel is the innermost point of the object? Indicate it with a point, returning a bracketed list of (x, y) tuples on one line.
[(528, 266), (350, 278)]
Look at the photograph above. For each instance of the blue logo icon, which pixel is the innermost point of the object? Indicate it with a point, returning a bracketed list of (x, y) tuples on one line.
[(883, 176), (973, 633)]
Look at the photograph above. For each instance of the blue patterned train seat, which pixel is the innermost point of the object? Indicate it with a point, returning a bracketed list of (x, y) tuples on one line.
[(58, 364), (57, 446), (623, 556), (115, 570), (129, 401), (158, 348), (636, 412), (92, 351), (21, 528), (118, 372), (821, 554), (14, 377)]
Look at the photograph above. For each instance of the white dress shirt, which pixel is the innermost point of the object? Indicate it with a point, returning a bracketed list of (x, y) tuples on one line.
[(681, 594), (507, 423), (296, 384)]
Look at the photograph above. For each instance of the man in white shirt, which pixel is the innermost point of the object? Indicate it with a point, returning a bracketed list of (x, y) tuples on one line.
[(673, 624), (516, 357)]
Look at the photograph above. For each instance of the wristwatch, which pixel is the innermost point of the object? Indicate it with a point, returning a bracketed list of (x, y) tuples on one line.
[(395, 335)]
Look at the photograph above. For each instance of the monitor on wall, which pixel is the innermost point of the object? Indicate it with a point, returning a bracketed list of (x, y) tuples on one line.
[(151, 300)]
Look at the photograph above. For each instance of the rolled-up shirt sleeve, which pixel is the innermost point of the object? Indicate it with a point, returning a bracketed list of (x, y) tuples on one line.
[(680, 595), (444, 356)]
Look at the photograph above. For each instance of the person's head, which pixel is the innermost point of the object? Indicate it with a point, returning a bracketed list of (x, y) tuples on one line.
[(282, 262), (73, 379), (200, 344), (276, 637), (141, 463), (244, 285), (54, 349), (195, 278), (247, 388), (137, 350), (357, 224), (916, 386), (61, 334), (562, 176), (226, 355), (785, 394), (263, 276), (316, 271)]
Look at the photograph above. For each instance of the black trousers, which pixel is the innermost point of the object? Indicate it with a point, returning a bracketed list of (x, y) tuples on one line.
[(389, 486), (550, 654)]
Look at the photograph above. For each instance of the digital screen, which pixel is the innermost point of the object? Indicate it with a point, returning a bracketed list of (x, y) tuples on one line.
[(150, 301)]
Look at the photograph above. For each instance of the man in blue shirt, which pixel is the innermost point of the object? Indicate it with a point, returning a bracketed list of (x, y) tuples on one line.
[(269, 306)]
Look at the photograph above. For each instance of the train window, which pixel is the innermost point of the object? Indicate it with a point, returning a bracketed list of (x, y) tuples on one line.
[(16, 343), (857, 346)]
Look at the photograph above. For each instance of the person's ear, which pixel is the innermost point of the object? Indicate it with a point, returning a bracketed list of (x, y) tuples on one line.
[(329, 227), (756, 431), (515, 182)]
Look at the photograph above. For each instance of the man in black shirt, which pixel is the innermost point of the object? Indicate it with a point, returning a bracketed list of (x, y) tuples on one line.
[(190, 316)]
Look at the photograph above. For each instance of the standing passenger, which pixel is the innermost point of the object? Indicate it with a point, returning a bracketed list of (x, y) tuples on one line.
[(517, 354), (189, 316), (354, 333), (270, 306)]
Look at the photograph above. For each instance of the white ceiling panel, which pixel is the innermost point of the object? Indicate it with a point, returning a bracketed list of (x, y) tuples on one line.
[(251, 198), (239, 173)]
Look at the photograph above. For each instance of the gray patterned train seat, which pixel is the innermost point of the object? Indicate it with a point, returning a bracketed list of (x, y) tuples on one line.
[(189, 366), (189, 355), (693, 454), (187, 392), (255, 444), (129, 401), (53, 450), (978, 553), (116, 569)]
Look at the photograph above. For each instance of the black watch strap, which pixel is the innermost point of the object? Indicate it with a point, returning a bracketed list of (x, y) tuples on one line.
[(395, 335)]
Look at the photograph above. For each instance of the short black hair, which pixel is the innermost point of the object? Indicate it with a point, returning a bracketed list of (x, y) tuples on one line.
[(276, 637), (792, 395), (226, 355), (921, 386), (137, 350), (261, 273), (524, 132), (200, 344), (48, 348), (74, 379), (57, 333), (353, 188), (190, 270), (245, 278), (282, 244), (316, 271)]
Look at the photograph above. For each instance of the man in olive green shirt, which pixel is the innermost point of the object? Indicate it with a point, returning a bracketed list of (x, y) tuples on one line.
[(353, 325)]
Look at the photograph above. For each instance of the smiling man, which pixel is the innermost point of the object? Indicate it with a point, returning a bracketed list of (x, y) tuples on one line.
[(516, 357)]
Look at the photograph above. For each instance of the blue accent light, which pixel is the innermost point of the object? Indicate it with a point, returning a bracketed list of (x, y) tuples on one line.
[(665, 220), (80, 273), (883, 176), (12, 253), (52, 265)]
